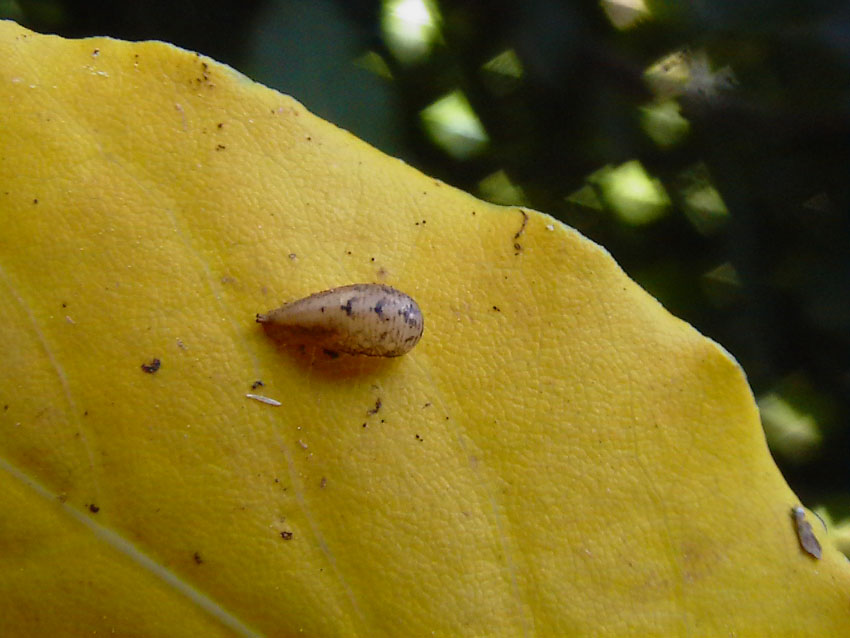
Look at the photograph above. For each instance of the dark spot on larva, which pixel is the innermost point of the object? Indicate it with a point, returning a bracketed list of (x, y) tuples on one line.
[(95, 53), (379, 308), (364, 425), (35, 201), (220, 125), (257, 384), (197, 558), (348, 306), (151, 366), (86, 413), (497, 309), (427, 405), (94, 509), (411, 317), (5, 407), (517, 248), (376, 408), (220, 147), (333, 354), (372, 259), (287, 536)]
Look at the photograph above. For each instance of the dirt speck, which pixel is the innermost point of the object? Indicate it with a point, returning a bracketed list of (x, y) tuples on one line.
[(805, 535), (152, 366)]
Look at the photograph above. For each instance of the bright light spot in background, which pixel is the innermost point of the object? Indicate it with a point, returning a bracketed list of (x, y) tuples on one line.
[(410, 28), (628, 190), (585, 197), (701, 202), (502, 74), (721, 285), (452, 125), (374, 63), (663, 123), (624, 14), (790, 432), (687, 72), (499, 189)]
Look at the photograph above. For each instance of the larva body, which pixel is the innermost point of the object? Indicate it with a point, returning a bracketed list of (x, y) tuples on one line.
[(367, 319)]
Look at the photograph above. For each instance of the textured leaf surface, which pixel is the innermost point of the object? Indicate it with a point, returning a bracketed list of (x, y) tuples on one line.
[(558, 456)]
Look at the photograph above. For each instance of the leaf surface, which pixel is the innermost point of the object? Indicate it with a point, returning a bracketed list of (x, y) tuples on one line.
[(559, 456)]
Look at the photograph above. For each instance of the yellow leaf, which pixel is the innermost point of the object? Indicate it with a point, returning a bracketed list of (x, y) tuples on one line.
[(557, 457)]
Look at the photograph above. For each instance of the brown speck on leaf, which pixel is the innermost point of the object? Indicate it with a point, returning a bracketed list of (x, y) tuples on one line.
[(522, 227), (497, 309), (257, 384), (35, 201), (197, 558), (376, 408), (94, 509), (805, 535), (323, 482), (287, 536), (152, 366), (220, 147)]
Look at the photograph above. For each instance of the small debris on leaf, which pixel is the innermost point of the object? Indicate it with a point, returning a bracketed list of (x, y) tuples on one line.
[(262, 399), (805, 535), (152, 366)]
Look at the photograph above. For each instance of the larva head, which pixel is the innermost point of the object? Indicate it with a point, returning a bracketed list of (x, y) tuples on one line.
[(364, 319)]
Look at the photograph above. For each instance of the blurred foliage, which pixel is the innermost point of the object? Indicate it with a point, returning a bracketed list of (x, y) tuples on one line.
[(705, 144)]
